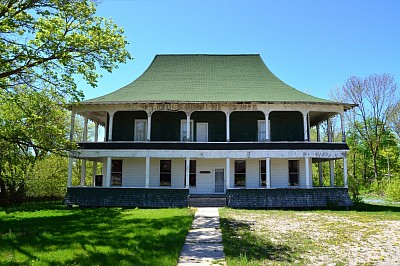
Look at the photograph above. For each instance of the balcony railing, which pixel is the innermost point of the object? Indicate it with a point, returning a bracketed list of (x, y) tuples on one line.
[(158, 145)]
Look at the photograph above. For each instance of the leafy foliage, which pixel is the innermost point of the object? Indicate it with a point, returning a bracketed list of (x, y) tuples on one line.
[(45, 45)]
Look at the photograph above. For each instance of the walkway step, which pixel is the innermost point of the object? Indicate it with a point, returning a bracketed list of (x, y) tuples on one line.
[(207, 202), (203, 245)]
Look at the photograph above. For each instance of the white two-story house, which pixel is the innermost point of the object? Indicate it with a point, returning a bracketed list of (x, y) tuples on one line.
[(204, 125)]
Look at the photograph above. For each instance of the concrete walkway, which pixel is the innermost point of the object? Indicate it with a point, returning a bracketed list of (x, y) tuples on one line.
[(203, 245)]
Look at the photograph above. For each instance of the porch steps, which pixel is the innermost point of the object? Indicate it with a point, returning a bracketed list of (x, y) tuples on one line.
[(212, 200)]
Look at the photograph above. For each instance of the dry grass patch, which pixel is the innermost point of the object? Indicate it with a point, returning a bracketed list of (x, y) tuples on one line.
[(310, 237)]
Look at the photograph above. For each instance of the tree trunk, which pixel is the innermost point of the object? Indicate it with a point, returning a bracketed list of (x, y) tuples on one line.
[(375, 166)]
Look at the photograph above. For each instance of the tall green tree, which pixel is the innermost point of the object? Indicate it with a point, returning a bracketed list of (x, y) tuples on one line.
[(48, 43), (45, 45), (376, 97)]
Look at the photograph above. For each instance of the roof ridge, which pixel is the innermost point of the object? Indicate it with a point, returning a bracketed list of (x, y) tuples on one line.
[(207, 78), (207, 54)]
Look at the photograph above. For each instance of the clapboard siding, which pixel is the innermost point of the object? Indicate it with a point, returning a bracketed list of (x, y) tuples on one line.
[(205, 182), (252, 173), (134, 172), (280, 173)]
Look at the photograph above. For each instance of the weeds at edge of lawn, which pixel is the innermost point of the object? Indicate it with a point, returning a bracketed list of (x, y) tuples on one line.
[(241, 246), (31, 234)]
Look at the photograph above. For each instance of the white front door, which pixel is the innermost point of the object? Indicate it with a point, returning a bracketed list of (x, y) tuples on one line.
[(202, 132), (219, 181)]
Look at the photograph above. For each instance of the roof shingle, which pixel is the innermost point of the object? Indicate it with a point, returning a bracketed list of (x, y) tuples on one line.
[(207, 78)]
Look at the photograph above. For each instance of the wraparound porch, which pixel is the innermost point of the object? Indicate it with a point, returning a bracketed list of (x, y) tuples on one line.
[(235, 198)]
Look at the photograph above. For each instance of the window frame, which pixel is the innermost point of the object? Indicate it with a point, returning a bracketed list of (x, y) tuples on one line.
[(135, 136), (183, 129), (262, 174), (192, 173), (261, 130), (116, 174), (168, 174), (239, 175), (197, 126), (295, 174)]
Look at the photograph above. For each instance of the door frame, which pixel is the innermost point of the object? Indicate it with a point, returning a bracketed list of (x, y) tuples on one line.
[(137, 121), (224, 179), (197, 130)]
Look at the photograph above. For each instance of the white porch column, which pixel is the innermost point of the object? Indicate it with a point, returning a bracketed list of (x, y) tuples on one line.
[(188, 127), (94, 172), (228, 173), (105, 129), (342, 127), (228, 137), (71, 137), (321, 177), (267, 137), (308, 179), (96, 132), (108, 176), (305, 126), (345, 183), (148, 126), (72, 126), (332, 172), (70, 163), (83, 172), (268, 172), (187, 171), (85, 129), (147, 172), (110, 126)]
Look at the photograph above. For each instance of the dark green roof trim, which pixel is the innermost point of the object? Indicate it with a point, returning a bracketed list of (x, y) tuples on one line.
[(207, 78)]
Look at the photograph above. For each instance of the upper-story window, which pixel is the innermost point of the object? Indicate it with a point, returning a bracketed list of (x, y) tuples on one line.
[(140, 129), (184, 128), (202, 132), (261, 130)]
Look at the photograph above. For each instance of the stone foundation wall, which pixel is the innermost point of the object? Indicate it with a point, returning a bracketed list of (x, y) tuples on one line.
[(288, 198), (127, 197)]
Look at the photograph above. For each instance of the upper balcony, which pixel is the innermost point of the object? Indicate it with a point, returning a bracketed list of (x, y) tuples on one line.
[(210, 126)]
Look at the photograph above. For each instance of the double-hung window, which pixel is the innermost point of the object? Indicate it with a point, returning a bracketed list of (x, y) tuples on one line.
[(240, 173), (165, 172), (140, 129), (116, 173), (192, 173), (293, 173), (184, 128), (263, 173), (261, 130)]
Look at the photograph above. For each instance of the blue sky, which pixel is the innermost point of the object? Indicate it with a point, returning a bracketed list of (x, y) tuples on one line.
[(314, 46)]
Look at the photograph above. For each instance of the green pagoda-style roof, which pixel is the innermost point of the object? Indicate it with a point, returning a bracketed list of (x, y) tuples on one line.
[(207, 78)]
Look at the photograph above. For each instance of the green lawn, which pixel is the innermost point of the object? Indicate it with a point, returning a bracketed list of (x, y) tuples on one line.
[(366, 236), (51, 234)]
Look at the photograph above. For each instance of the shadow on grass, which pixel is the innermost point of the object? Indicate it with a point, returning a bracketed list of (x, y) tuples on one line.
[(102, 236), (366, 207), (242, 246)]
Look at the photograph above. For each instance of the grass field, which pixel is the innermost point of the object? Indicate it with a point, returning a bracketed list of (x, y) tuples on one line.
[(366, 236), (51, 234)]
